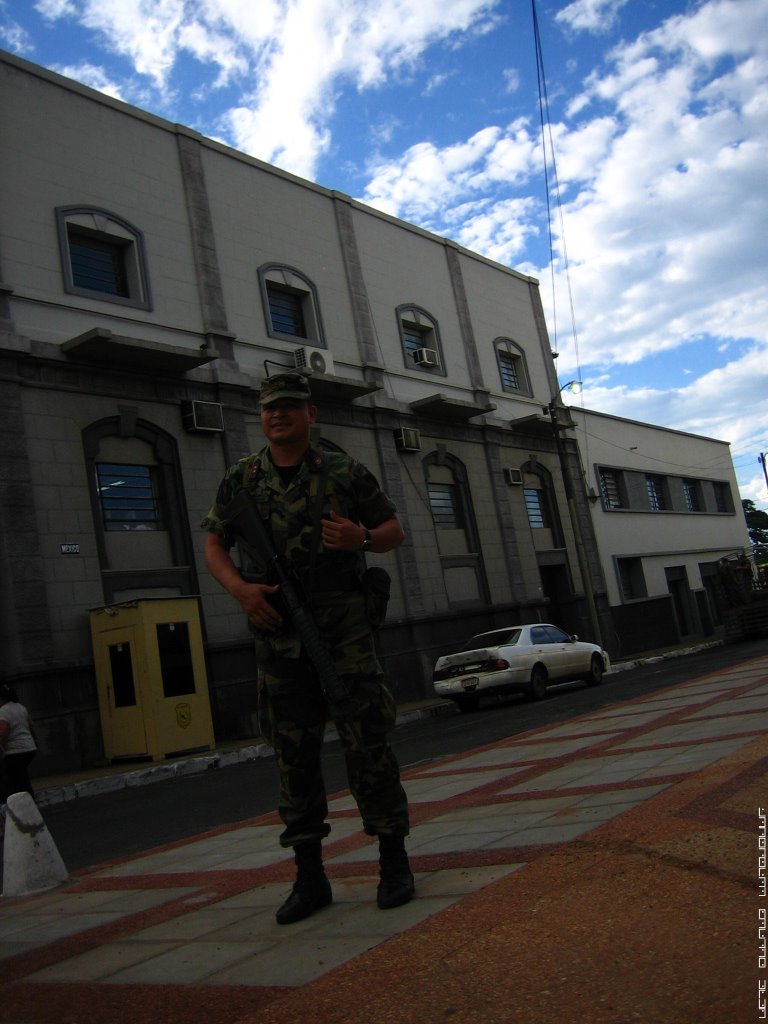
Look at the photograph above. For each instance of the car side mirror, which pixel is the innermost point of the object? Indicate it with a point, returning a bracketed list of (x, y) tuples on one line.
[(574, 637)]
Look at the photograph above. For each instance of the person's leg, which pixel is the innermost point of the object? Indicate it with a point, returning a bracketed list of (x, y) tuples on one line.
[(292, 716), (374, 780), (16, 773)]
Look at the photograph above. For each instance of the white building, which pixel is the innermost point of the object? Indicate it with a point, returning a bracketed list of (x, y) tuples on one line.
[(666, 510)]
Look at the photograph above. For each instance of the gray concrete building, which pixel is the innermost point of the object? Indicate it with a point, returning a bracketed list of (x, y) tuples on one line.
[(150, 279)]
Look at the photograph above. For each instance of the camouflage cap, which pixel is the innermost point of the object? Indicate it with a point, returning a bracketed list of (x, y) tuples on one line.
[(288, 384)]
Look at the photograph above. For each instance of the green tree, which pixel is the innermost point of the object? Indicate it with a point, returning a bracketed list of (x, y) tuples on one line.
[(757, 524)]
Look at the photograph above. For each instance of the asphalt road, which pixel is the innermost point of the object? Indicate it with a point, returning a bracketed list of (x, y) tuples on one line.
[(92, 830)]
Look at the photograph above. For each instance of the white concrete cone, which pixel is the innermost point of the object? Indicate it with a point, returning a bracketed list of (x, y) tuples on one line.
[(31, 862)]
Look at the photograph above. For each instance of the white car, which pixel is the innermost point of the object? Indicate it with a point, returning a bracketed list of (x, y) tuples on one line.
[(519, 658)]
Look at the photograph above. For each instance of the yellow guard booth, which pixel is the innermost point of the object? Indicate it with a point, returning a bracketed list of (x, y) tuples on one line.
[(151, 678)]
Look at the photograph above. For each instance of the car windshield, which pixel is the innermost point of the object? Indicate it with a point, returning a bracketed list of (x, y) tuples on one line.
[(494, 639)]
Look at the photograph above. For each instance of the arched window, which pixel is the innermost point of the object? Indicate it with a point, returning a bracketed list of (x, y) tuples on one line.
[(455, 529), (139, 510), (291, 305), (513, 371), (420, 340), (102, 256), (541, 507)]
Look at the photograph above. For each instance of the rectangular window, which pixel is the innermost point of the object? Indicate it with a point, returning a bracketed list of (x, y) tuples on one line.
[(631, 578), (692, 492), (98, 265), (656, 495), (722, 497), (535, 507), (286, 311), (611, 488), (127, 497)]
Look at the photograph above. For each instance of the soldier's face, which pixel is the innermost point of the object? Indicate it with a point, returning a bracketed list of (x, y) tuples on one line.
[(287, 421)]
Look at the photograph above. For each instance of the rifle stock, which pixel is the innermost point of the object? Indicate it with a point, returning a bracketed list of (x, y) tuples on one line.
[(242, 516)]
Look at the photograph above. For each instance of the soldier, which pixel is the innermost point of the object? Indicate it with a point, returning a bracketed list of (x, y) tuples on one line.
[(323, 510)]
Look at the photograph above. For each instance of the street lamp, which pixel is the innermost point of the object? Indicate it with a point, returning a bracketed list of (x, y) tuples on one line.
[(575, 387)]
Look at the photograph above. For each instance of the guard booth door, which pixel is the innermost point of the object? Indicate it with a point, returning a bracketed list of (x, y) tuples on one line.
[(122, 716)]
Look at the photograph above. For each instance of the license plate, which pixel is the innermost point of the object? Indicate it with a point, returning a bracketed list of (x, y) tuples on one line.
[(470, 683)]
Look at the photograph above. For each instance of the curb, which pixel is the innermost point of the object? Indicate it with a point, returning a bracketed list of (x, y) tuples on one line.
[(196, 765), (54, 795)]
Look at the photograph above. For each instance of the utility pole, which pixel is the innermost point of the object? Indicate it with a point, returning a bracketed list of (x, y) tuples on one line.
[(576, 525), (761, 460)]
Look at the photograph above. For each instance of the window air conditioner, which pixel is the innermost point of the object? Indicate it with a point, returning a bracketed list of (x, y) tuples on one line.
[(313, 360), (513, 476), (407, 439), (425, 357), (204, 417)]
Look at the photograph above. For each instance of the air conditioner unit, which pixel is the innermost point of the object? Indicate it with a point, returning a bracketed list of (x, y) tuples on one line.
[(407, 439), (425, 357), (513, 476), (204, 417), (313, 360)]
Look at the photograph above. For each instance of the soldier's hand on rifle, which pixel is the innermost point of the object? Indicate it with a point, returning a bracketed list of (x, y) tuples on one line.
[(254, 600), (340, 534), (252, 597)]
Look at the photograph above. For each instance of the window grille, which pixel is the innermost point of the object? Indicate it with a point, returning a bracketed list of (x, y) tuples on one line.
[(610, 487), (655, 485), (98, 265), (510, 371), (127, 497), (535, 508), (692, 499), (442, 501), (286, 312)]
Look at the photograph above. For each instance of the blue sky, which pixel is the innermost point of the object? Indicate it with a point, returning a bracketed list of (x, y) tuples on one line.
[(428, 109)]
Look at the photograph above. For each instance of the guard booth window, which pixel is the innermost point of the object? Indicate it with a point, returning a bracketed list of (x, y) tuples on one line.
[(123, 683), (175, 659)]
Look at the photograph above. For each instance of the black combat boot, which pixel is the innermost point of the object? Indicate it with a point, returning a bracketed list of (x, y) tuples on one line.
[(396, 885), (311, 890)]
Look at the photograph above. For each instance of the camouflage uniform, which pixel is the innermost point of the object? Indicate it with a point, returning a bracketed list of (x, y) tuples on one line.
[(292, 709)]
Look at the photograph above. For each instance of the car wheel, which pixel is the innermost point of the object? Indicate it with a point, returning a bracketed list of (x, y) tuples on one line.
[(469, 702), (537, 688), (595, 674)]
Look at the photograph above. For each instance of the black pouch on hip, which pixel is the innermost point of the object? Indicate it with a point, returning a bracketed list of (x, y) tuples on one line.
[(377, 586)]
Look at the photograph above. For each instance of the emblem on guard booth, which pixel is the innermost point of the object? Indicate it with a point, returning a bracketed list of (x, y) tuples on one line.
[(183, 716)]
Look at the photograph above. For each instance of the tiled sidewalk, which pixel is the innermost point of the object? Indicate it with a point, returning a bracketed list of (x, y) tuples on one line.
[(187, 933)]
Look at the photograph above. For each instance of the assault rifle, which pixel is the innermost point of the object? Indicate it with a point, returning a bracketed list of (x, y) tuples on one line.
[(242, 516)]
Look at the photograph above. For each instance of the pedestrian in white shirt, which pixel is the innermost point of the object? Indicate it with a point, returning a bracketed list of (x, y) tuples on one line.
[(18, 745)]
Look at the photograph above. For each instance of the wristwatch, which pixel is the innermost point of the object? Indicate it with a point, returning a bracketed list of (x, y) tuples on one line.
[(367, 540)]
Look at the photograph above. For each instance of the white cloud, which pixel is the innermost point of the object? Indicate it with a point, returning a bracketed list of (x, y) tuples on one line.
[(15, 37), (511, 79), (54, 9), (288, 56), (427, 181), (95, 77), (590, 15), (144, 31)]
